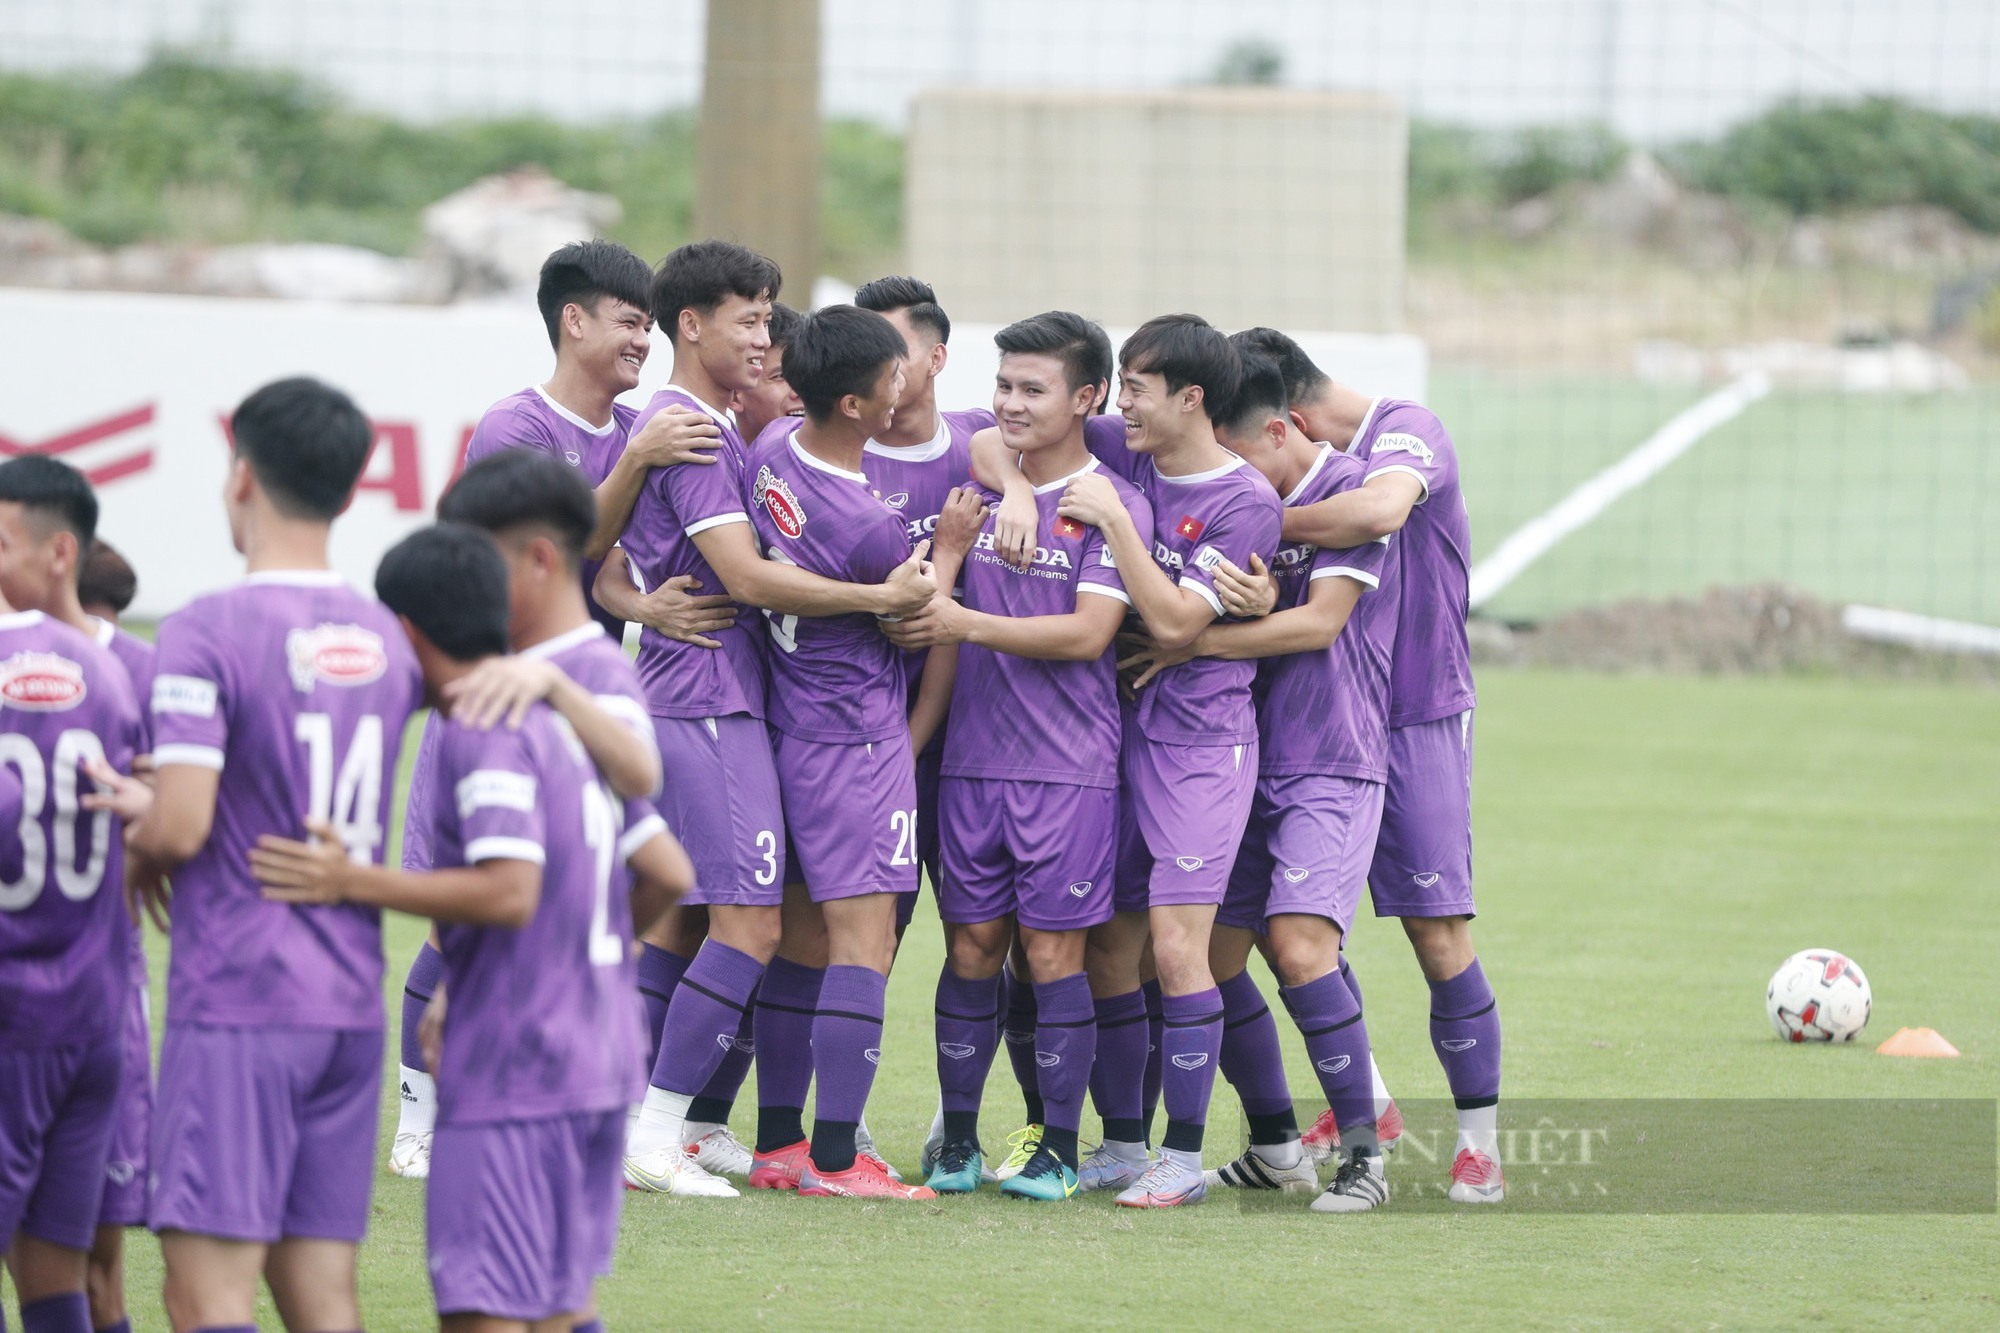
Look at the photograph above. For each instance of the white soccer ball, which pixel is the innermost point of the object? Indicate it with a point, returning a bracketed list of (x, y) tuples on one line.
[(1818, 995)]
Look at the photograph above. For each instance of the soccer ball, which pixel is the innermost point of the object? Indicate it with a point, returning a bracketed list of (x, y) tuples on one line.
[(1818, 995)]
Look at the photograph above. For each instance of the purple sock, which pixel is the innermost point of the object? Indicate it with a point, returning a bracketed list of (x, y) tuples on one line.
[(1254, 1063), (1065, 1048), (1118, 1075), (846, 1048), (1190, 1043), (1018, 1028), (1465, 1032), (67, 1312), (659, 973), (718, 1096), (1336, 1036), (425, 971), (702, 1018), (785, 1006), (227, 1328), (588, 1326), (1155, 1028), (965, 1015), (122, 1326)]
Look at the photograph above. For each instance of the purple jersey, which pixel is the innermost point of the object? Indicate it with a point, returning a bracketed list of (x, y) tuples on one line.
[(587, 656), (833, 678), (1022, 717), (1431, 676), (914, 480), (294, 688), (543, 1020), (675, 504), (1327, 712), (531, 419), (64, 935), (137, 657), (1226, 513)]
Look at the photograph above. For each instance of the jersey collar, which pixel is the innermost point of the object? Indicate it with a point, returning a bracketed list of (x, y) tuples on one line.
[(297, 578), (915, 453), (821, 464), (562, 643), (1326, 451), (1089, 467), (575, 420), (1361, 431)]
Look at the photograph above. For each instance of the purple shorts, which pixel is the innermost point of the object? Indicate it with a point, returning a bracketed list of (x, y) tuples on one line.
[(852, 809), (522, 1215), (264, 1133), (1039, 851), (125, 1168), (1190, 803), (57, 1107), (1423, 859), (721, 801), (1132, 864), (1306, 852)]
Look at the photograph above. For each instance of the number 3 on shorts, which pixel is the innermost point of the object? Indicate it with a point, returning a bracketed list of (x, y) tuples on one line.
[(767, 847)]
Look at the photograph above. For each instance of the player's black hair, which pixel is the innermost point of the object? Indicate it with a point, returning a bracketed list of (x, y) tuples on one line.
[(517, 487), (784, 323), (1184, 350), (449, 581), (703, 274), (306, 443), (1083, 348), (838, 350), (56, 491), (1303, 379), (106, 579), (1259, 396), (584, 273), (912, 295)]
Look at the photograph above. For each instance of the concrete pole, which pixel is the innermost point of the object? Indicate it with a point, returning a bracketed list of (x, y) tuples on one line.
[(758, 161)]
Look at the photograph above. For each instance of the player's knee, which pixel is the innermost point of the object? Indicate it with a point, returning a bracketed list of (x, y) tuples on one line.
[(1443, 944), (1303, 949), (1052, 957), (977, 951)]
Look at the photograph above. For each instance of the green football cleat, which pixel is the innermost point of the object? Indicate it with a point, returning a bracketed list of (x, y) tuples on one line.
[(958, 1168), (1022, 1144), (1044, 1178)]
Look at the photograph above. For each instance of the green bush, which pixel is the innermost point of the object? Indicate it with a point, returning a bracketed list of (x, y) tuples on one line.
[(1455, 162)]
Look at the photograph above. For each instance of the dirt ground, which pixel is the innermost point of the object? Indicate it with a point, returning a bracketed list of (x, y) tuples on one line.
[(1756, 630)]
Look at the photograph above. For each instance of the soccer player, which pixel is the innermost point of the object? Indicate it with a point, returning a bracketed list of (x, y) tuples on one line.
[(1322, 719), (706, 691), (841, 737), (48, 519), (66, 708), (592, 296), (280, 700), (1028, 799), (542, 514), (1422, 872), (1191, 770), (772, 397), (540, 1036)]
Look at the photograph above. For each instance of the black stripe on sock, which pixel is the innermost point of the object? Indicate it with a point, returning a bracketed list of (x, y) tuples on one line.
[(1183, 1138), (875, 1019), (775, 1007), (969, 1018), (1228, 1026), (1103, 1026), (1068, 1022), (1460, 1018), (415, 995), (717, 996), (1199, 1020), (1331, 1027), (664, 997), (1475, 1103)]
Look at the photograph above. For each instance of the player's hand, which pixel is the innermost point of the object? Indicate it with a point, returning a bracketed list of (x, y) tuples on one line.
[(1139, 660), (675, 611), (148, 894), (910, 585), (940, 621), (1246, 594), (674, 435), (959, 522), (128, 798), (430, 1031), (501, 687), (302, 872), (1090, 499), (1015, 529)]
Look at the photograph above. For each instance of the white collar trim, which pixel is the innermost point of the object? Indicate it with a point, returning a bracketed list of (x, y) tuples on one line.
[(582, 634), (824, 466), (20, 619), (1361, 430), (105, 631), (1195, 478), (915, 453), (297, 578), (1060, 482), (719, 418), (1319, 461), (575, 420)]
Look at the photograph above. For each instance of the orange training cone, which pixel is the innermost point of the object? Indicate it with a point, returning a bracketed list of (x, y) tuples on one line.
[(1924, 1043)]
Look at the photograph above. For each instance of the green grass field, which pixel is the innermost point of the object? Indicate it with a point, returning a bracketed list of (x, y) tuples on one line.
[(1648, 850), (1888, 500)]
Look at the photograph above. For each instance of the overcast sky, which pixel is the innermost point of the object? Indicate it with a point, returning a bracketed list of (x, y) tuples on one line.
[(1656, 69)]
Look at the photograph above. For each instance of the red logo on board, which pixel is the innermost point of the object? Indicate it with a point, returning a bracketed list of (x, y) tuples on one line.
[(131, 457)]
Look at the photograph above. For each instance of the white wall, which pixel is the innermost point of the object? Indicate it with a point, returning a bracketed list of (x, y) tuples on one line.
[(134, 390)]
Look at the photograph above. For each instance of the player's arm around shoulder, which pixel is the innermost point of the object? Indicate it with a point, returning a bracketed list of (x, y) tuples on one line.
[(193, 694), (1173, 614), (617, 737)]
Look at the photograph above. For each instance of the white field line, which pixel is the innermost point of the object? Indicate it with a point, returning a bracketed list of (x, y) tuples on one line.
[(1535, 538), (1880, 623)]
